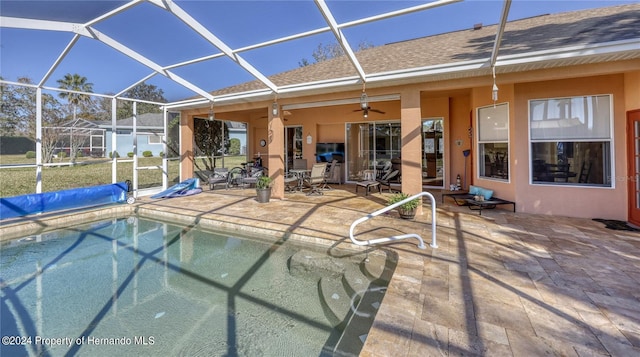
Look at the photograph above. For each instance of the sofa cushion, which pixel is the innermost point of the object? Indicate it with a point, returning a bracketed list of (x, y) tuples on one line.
[(477, 190)]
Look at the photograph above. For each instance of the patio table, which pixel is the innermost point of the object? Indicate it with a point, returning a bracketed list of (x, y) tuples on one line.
[(301, 174)]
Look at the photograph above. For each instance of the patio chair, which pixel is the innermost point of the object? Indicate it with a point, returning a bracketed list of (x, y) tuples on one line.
[(251, 176), (386, 180), (235, 177), (219, 176), (291, 182), (328, 175), (299, 164), (316, 178), (385, 170)]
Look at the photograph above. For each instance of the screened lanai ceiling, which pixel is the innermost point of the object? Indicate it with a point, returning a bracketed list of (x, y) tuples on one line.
[(228, 51)]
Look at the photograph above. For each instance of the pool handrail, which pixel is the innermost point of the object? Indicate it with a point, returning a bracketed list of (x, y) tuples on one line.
[(434, 243)]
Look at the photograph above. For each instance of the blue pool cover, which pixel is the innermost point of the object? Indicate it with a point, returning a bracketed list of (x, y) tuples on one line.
[(18, 206)]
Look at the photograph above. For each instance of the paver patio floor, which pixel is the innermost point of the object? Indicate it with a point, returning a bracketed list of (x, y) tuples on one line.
[(500, 284)]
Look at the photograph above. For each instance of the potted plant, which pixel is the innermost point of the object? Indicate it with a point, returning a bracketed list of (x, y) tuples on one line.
[(406, 210), (263, 188)]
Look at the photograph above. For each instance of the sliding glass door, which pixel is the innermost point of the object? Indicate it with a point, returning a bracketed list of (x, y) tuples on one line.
[(293, 145), (371, 149)]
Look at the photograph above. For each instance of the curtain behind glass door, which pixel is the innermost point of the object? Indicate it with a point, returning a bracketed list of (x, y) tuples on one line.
[(359, 150)]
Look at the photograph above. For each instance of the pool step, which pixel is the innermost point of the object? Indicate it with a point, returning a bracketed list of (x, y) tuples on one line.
[(343, 289), (375, 267), (335, 300), (306, 263), (357, 327), (353, 318)]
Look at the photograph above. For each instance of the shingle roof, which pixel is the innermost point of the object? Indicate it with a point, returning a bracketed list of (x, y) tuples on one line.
[(143, 120), (545, 32)]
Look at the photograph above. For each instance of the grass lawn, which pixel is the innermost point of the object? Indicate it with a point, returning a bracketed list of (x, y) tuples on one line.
[(91, 172)]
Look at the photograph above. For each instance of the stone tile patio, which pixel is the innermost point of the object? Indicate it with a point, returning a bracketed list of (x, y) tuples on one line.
[(500, 284)]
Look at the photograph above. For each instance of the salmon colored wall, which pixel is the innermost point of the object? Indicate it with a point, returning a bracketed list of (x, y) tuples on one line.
[(632, 90), (587, 202), (460, 112), (411, 132), (259, 133), (330, 133), (275, 155), (186, 146), (481, 97)]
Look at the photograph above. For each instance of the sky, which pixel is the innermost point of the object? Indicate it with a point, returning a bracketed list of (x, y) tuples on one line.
[(165, 40)]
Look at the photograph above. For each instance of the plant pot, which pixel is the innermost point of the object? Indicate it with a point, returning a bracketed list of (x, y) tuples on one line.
[(407, 213), (263, 194)]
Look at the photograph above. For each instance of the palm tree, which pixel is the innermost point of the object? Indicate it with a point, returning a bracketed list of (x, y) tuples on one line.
[(75, 82)]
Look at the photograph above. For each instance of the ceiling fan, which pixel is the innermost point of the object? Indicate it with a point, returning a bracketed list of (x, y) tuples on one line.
[(364, 106)]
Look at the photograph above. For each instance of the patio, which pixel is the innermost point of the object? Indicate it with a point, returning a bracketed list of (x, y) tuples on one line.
[(500, 284)]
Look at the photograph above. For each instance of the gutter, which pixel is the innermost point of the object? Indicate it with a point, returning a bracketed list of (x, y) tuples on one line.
[(628, 48)]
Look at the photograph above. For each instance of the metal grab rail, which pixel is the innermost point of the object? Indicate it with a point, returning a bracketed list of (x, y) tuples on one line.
[(433, 244)]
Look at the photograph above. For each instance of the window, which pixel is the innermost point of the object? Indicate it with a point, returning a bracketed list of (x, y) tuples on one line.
[(493, 141), (155, 139), (571, 140)]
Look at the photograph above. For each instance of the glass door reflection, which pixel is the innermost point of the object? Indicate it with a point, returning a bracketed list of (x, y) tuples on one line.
[(433, 152), (371, 149)]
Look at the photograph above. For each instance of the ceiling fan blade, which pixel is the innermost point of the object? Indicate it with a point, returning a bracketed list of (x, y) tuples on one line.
[(377, 111)]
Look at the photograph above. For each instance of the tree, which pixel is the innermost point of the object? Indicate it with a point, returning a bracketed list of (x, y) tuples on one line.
[(234, 146), (332, 50), (18, 115), (78, 83), (144, 92), (173, 135), (209, 140)]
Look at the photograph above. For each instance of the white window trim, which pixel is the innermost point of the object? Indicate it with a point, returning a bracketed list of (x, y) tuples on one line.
[(611, 145), (479, 142)]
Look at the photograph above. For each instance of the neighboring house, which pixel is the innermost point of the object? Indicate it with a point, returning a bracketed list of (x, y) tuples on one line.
[(82, 135), (149, 129), (555, 129)]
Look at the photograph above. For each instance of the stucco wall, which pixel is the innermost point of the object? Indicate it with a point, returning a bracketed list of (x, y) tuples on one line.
[(588, 202), (481, 97)]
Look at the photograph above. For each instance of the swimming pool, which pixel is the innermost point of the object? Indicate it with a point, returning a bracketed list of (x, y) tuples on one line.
[(136, 286)]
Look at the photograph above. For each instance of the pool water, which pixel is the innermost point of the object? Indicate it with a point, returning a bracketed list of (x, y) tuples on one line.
[(141, 287)]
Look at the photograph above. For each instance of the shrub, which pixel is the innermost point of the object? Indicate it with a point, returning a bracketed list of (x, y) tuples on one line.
[(31, 154), (263, 182), (130, 154), (161, 154), (401, 196), (62, 154), (147, 153), (111, 154)]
